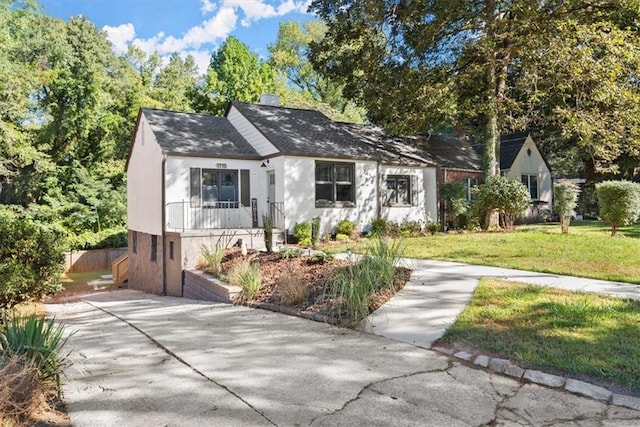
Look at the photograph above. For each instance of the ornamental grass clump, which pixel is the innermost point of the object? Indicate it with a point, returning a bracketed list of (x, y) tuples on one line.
[(21, 392), (354, 286), (210, 261), (246, 275)]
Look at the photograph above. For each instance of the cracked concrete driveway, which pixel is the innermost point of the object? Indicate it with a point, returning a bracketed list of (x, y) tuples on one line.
[(144, 360)]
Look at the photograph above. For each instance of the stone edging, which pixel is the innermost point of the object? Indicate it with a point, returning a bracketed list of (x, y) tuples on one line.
[(507, 367)]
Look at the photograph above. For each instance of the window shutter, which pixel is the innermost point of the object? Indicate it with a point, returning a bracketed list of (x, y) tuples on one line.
[(414, 190), (245, 189), (195, 187)]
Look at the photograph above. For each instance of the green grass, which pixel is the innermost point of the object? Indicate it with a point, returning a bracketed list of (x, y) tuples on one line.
[(587, 251), (580, 334), (77, 282)]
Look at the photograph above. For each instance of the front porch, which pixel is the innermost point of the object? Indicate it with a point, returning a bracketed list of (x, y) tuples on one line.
[(184, 216)]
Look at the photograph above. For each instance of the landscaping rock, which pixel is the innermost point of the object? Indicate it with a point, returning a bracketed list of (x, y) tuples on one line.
[(543, 378), (482, 360), (498, 365), (586, 389)]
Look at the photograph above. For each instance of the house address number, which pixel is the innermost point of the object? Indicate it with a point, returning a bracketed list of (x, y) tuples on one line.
[(221, 165)]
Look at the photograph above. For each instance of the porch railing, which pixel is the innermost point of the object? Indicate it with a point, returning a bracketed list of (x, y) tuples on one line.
[(276, 211), (186, 216)]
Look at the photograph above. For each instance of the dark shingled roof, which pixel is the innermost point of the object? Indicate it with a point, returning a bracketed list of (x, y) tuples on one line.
[(310, 133), (197, 134), (400, 149), (510, 146), (451, 153)]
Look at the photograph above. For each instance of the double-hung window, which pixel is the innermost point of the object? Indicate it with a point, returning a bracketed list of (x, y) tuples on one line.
[(398, 190), (531, 182), (335, 184), (469, 183)]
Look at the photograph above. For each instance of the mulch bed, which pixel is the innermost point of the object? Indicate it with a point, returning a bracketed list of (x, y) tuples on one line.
[(314, 273)]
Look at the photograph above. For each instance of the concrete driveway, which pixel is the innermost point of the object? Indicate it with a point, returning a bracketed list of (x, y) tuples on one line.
[(144, 360)]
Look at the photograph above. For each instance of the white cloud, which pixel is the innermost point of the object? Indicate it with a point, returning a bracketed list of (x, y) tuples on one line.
[(120, 36), (209, 32), (207, 7)]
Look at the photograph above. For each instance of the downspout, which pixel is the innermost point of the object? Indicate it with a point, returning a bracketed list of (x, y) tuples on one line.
[(444, 201), (378, 195), (164, 221)]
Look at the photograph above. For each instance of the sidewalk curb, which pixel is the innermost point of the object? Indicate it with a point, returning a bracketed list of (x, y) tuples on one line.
[(509, 368)]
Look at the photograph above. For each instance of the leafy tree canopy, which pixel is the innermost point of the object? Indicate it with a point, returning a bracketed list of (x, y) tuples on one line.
[(568, 68)]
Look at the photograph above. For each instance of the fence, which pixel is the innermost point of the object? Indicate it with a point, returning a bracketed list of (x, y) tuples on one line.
[(91, 260)]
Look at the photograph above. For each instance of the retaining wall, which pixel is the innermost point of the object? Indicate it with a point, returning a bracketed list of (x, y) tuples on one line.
[(200, 286)]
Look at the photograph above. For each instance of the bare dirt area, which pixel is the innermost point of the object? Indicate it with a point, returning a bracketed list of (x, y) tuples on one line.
[(299, 284)]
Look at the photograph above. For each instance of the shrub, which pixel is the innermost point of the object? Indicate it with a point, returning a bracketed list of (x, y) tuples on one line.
[(378, 227), (619, 203), (302, 233), (455, 199), (293, 290), (315, 230), (510, 197), (565, 195), (345, 227), (40, 341), (31, 259), (110, 238), (247, 276), (410, 228), (291, 253), (342, 238), (210, 262), (433, 227), (267, 223), (322, 257)]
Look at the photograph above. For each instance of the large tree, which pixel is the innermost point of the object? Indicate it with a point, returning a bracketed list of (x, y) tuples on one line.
[(423, 65), (234, 74)]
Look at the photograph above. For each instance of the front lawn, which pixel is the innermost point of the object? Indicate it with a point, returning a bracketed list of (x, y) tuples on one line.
[(584, 335), (587, 251)]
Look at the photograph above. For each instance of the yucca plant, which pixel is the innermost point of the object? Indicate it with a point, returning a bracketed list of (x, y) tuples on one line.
[(247, 276), (38, 340)]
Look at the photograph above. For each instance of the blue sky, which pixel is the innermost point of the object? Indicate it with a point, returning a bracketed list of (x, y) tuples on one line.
[(195, 27)]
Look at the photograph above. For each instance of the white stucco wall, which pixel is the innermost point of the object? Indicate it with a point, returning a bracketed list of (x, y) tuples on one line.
[(533, 164), (298, 185), (299, 194), (144, 182), (250, 133), (424, 208)]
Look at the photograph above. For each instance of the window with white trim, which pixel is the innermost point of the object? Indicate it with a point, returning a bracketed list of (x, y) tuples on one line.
[(216, 188), (469, 183), (335, 184), (531, 182)]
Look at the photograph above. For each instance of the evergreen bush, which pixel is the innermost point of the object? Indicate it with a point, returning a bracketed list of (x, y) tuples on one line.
[(619, 203), (565, 195)]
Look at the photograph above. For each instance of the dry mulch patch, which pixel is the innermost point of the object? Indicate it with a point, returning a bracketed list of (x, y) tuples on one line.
[(314, 274)]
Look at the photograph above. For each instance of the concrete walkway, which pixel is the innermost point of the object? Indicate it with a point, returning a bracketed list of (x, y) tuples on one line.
[(144, 360), (438, 291)]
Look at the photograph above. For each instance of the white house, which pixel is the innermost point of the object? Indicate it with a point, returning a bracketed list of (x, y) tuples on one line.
[(195, 179), (521, 160)]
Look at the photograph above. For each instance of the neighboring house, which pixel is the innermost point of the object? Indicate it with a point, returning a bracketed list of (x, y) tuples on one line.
[(458, 161), (195, 179), (520, 159), (461, 161)]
